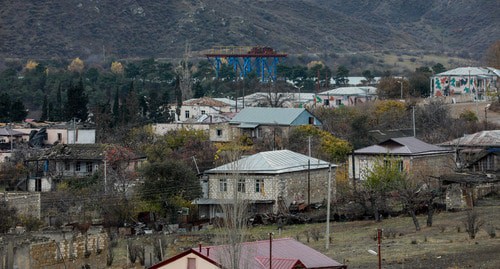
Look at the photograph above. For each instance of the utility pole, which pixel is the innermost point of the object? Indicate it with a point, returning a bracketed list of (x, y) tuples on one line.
[(327, 244), (414, 130)]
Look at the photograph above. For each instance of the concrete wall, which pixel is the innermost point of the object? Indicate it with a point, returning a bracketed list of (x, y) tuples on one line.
[(64, 136)]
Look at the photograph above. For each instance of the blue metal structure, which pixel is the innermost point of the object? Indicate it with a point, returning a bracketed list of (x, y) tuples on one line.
[(244, 60)]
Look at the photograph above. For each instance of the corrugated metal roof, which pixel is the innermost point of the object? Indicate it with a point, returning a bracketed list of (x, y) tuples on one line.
[(465, 71), (271, 162), (9, 132), (279, 263), (268, 115), (283, 248), (402, 146), (361, 90), (204, 101), (480, 139)]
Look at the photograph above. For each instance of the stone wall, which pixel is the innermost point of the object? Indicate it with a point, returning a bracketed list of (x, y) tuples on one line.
[(70, 253), (292, 187), (26, 203)]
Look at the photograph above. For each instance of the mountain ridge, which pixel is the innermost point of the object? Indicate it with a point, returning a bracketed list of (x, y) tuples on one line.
[(94, 29)]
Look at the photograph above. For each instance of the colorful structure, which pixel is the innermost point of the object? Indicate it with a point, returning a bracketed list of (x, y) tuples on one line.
[(472, 82), (244, 60)]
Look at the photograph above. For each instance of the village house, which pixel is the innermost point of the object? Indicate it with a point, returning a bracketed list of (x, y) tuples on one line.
[(9, 140), (287, 253), (205, 106), (51, 165), (478, 163), (465, 83), (346, 96), (269, 181), (271, 122), (421, 160)]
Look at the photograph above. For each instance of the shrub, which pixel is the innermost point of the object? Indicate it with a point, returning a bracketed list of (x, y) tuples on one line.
[(491, 230), (472, 223)]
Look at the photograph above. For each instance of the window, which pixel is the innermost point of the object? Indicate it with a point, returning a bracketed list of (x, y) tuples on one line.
[(219, 132), (311, 120), (338, 102), (203, 112), (241, 185), (78, 166), (399, 164), (67, 166), (259, 185), (89, 167), (191, 263), (223, 185), (59, 137), (186, 114)]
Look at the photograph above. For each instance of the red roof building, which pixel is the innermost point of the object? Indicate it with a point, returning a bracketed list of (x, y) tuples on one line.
[(287, 253)]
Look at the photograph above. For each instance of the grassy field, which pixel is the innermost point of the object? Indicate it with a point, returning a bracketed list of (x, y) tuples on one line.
[(444, 245)]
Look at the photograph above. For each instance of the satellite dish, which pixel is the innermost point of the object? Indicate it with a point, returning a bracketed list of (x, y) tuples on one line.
[(372, 252)]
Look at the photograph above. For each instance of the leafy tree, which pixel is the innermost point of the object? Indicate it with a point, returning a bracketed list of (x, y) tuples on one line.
[(92, 75), (76, 65), (341, 76), (492, 55), (76, 105), (167, 181), (419, 83), (9, 217), (438, 68), (325, 145), (390, 88), (369, 77), (381, 179), (117, 68)]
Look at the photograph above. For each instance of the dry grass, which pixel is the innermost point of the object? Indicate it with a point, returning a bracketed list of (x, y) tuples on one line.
[(445, 245)]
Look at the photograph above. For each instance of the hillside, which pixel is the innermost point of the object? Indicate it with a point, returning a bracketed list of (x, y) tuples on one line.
[(93, 30)]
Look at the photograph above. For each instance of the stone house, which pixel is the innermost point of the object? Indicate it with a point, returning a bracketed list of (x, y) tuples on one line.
[(346, 96), (270, 122), (421, 160), (49, 166), (269, 181), (194, 108), (465, 83), (478, 164)]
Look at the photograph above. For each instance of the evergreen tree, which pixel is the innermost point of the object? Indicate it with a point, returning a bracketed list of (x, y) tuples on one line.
[(4, 107), (18, 111), (45, 109), (116, 107), (76, 106)]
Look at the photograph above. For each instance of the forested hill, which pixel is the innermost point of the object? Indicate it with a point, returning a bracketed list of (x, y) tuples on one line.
[(88, 29)]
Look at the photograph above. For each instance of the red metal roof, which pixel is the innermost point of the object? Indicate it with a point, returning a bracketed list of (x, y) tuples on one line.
[(283, 250), (280, 263)]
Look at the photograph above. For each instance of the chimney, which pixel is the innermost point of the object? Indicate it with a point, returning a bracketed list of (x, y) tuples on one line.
[(208, 252), (199, 247)]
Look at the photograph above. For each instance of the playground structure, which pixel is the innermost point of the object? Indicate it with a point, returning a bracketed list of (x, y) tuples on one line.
[(244, 60)]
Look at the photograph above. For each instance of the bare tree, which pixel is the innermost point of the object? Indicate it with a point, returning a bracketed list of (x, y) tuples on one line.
[(235, 213), (473, 223)]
